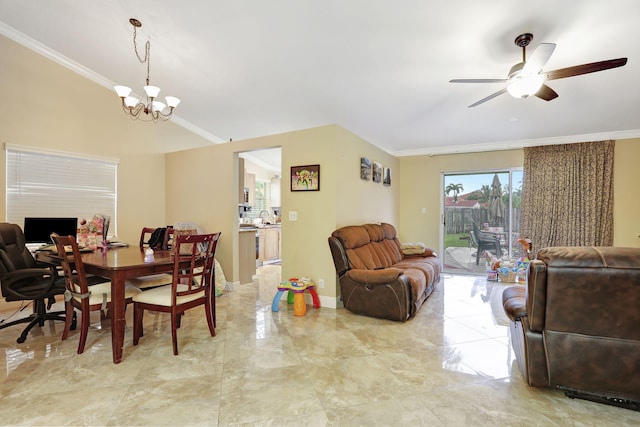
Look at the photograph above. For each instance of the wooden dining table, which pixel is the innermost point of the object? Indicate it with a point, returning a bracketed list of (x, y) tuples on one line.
[(118, 265)]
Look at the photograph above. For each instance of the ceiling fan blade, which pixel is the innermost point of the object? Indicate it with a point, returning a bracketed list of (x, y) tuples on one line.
[(493, 95), (546, 93), (585, 68), (478, 81), (538, 58)]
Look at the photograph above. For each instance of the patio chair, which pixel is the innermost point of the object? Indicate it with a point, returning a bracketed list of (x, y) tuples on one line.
[(485, 241)]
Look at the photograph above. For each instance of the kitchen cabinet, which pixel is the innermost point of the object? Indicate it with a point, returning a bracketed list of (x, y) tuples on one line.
[(269, 243), (247, 241), (272, 243), (250, 185)]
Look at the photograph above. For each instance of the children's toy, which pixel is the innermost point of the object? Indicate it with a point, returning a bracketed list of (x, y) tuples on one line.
[(526, 244), (296, 287)]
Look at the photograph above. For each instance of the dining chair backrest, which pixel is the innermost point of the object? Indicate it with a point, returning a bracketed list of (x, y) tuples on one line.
[(193, 263), (168, 235), (162, 244), (71, 262), (145, 235)]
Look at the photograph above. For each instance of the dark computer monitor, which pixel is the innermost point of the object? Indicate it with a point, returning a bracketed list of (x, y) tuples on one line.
[(38, 230)]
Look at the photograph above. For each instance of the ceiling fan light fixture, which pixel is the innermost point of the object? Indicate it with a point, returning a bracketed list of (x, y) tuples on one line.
[(523, 86)]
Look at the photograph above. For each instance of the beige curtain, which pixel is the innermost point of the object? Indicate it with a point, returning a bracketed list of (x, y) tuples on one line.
[(567, 195)]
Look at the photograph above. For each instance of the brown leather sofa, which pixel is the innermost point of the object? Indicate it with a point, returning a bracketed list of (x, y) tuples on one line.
[(576, 325), (376, 278)]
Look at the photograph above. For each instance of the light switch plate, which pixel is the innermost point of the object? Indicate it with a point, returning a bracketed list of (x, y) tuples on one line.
[(293, 215)]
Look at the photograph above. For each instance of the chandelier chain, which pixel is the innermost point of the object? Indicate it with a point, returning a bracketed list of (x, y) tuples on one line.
[(147, 52)]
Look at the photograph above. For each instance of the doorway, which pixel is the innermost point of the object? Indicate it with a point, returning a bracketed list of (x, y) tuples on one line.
[(488, 200), (261, 208)]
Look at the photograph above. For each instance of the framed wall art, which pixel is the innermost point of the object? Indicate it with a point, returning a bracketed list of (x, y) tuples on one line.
[(386, 176), (365, 168), (377, 172), (305, 178)]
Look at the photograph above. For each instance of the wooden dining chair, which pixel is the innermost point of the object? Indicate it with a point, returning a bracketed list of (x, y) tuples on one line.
[(79, 293), (156, 238), (154, 280), (193, 285), (168, 236)]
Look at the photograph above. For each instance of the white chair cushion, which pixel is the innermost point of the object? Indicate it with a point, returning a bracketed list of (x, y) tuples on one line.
[(152, 281), (97, 292), (162, 296)]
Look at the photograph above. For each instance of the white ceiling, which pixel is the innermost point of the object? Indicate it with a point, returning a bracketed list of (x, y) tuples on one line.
[(379, 68)]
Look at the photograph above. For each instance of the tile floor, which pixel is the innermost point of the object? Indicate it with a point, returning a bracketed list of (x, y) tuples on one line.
[(449, 366)]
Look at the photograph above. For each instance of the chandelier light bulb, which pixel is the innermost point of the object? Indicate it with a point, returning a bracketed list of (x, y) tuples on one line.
[(131, 101), (152, 91), (122, 91), (172, 101), (158, 106)]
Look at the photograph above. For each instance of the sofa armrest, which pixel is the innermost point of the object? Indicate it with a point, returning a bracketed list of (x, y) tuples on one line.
[(340, 259), (514, 302), (537, 295), (374, 277), (428, 252)]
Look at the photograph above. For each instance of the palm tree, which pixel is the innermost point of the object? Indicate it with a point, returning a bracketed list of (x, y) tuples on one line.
[(455, 188)]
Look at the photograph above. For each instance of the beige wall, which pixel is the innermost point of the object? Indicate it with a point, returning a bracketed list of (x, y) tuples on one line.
[(420, 187), (626, 210), (211, 175), (359, 201), (48, 106)]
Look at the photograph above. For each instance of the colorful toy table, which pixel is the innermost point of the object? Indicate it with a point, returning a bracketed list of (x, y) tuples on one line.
[(296, 287)]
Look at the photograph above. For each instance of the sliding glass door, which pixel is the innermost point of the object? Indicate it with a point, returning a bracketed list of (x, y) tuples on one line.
[(476, 203)]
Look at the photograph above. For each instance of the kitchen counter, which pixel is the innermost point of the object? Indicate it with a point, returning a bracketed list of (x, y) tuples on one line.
[(254, 227)]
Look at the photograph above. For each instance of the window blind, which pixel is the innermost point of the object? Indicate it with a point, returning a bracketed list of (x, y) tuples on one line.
[(50, 184)]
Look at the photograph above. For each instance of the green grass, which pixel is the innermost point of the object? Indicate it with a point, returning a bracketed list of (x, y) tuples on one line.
[(454, 240)]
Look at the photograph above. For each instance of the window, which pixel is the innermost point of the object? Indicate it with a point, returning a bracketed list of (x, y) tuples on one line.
[(488, 200), (261, 199), (55, 184)]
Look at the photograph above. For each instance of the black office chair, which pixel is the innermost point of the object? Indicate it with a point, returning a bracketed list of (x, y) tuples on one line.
[(22, 278)]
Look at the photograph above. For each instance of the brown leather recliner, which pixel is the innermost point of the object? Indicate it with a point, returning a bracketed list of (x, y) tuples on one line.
[(576, 325), (376, 278)]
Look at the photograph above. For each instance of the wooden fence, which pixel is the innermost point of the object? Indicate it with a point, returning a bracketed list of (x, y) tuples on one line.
[(460, 220)]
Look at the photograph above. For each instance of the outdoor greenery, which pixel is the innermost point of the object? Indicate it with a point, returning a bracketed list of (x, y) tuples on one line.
[(455, 189), (482, 195), (456, 240)]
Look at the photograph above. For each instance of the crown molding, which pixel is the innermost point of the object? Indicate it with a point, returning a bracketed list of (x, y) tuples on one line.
[(85, 72), (518, 144)]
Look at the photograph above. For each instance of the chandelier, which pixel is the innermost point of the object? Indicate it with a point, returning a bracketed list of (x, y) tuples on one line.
[(153, 110)]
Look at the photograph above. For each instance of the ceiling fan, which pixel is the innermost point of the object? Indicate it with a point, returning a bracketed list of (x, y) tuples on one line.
[(526, 78)]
